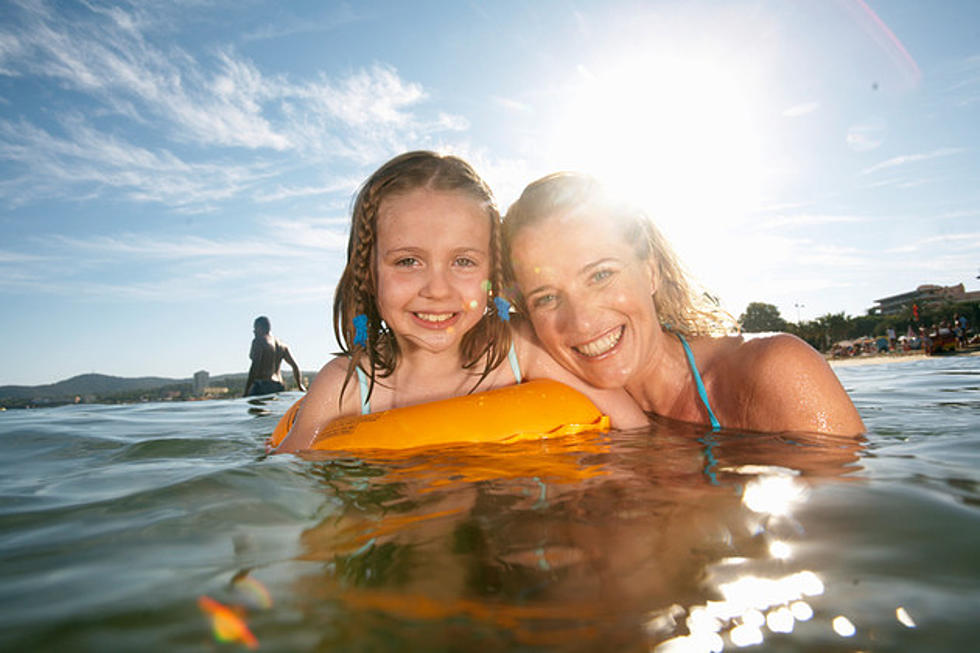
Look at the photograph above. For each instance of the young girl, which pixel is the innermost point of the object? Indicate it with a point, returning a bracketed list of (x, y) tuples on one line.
[(417, 310)]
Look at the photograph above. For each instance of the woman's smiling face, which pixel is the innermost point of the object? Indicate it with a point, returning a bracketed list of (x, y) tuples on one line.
[(588, 296)]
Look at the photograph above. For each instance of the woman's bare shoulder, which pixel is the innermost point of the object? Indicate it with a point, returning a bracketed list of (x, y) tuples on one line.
[(786, 385)]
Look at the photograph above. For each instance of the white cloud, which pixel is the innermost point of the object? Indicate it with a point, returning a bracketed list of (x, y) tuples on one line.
[(912, 158), (147, 246), (808, 220), (55, 165), (191, 103), (320, 234), (866, 136), (345, 185), (511, 104), (801, 109), (7, 256)]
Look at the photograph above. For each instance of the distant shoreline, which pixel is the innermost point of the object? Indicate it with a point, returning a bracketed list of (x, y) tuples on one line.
[(893, 357)]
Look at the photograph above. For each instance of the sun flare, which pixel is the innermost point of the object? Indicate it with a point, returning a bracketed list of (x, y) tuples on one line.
[(675, 135)]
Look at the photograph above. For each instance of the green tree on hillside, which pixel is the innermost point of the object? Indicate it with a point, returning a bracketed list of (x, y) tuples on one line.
[(759, 317)]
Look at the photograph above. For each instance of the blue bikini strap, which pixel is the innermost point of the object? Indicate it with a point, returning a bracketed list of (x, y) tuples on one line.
[(365, 400), (715, 424)]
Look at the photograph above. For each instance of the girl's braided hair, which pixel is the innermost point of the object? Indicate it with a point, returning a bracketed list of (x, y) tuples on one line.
[(356, 294)]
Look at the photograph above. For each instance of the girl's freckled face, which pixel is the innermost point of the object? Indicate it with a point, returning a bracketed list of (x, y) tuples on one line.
[(588, 296), (432, 261)]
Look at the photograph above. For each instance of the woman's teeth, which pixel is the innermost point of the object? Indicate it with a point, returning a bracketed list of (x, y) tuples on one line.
[(600, 346), (434, 317)]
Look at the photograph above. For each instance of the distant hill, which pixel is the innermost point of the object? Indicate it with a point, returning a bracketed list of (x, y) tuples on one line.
[(104, 388), (86, 384)]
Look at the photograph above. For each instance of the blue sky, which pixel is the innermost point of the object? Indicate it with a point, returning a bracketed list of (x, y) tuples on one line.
[(171, 170)]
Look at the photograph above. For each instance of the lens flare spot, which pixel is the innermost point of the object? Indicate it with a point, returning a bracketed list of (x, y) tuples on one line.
[(843, 626), (486, 285), (254, 593), (226, 624), (473, 304), (904, 617)]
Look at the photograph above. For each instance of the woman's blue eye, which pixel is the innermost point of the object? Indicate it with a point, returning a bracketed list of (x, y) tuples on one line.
[(543, 300), (599, 275), (406, 262)]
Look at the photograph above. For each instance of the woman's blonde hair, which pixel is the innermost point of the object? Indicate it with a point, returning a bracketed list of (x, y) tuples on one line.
[(680, 305), (357, 291)]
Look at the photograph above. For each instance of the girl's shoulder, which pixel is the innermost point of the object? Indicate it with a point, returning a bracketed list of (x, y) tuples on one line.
[(332, 385)]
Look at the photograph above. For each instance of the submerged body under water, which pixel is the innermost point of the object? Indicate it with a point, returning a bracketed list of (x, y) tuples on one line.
[(116, 520)]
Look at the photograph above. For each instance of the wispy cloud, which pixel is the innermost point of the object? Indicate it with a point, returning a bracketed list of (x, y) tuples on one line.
[(912, 158), (192, 103), (180, 268), (808, 220), (511, 104), (144, 246), (867, 136), (960, 242), (345, 185), (59, 165), (334, 17), (801, 109)]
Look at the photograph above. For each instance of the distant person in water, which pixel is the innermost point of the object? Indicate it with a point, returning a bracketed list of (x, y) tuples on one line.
[(267, 355)]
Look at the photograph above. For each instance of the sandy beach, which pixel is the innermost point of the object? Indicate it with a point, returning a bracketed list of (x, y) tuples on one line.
[(878, 359)]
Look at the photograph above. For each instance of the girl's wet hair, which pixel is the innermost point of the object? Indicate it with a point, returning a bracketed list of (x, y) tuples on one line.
[(577, 196), (356, 294)]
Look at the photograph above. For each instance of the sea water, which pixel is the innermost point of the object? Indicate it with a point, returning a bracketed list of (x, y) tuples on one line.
[(115, 520)]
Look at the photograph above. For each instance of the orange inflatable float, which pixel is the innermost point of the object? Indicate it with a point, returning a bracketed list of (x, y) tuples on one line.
[(536, 409)]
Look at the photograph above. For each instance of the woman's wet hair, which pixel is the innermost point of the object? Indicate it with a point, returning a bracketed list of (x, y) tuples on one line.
[(679, 302), (356, 294)]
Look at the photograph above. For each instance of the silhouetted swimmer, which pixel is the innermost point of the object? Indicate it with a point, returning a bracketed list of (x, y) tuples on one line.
[(267, 354)]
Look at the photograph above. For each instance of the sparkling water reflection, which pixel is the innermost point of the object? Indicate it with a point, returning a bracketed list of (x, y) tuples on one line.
[(117, 522)]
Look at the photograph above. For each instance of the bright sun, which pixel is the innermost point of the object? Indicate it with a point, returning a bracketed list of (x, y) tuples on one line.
[(676, 135)]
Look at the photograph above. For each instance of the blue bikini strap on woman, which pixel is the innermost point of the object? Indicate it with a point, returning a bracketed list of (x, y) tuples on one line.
[(363, 382), (715, 424), (514, 365)]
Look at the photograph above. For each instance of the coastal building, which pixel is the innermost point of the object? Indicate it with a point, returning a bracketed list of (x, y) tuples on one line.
[(924, 295), (201, 382)]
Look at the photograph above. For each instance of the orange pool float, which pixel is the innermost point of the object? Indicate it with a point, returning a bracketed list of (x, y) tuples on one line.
[(536, 409)]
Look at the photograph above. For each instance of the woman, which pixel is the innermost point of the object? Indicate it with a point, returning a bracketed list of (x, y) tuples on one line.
[(610, 302)]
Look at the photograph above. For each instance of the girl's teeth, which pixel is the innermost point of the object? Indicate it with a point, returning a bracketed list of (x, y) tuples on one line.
[(434, 317), (601, 345)]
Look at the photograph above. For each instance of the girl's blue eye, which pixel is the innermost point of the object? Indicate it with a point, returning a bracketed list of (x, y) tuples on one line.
[(462, 261), (406, 262)]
